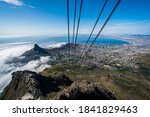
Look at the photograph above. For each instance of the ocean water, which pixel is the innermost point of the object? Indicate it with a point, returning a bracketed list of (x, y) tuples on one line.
[(42, 40), (16, 46)]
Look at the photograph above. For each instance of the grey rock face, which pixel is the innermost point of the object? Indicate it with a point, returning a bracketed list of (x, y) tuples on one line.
[(85, 90), (26, 85), (27, 82)]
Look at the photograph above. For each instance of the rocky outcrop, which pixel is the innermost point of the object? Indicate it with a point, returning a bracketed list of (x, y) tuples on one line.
[(84, 90), (30, 85), (37, 50), (27, 85)]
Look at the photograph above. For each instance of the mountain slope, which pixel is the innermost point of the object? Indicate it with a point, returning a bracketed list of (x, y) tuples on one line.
[(29, 85)]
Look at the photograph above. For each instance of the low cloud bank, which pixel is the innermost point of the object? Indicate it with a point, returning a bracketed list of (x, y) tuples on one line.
[(6, 69)]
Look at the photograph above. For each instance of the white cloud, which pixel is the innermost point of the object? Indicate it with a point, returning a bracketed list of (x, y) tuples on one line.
[(35, 65), (44, 59), (55, 45), (9, 52), (141, 27), (31, 6), (16, 3)]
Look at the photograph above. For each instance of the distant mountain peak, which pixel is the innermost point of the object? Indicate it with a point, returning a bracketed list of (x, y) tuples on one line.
[(36, 46), (39, 50)]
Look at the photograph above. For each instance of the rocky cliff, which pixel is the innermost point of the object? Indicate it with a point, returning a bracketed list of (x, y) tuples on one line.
[(26, 85)]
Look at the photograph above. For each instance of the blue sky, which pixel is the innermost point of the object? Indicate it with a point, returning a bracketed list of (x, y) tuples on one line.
[(48, 17)]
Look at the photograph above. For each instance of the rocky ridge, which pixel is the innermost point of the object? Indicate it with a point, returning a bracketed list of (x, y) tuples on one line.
[(27, 85)]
